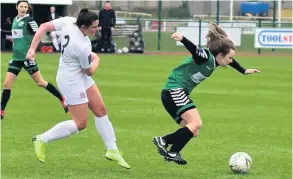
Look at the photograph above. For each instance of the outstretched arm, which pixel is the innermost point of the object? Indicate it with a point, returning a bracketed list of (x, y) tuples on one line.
[(189, 46), (42, 31), (199, 55), (44, 28), (242, 70), (55, 25)]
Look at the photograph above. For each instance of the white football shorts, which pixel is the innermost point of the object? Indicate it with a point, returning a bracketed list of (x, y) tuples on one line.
[(75, 91)]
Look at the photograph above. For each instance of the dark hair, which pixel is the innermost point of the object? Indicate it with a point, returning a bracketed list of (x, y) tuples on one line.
[(218, 41), (18, 2), (86, 17), (30, 10)]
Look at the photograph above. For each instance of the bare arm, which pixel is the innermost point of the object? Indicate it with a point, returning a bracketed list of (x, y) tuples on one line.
[(44, 28)]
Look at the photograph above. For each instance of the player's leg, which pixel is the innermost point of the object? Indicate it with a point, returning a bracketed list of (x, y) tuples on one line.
[(102, 40), (109, 38), (176, 103), (191, 124), (78, 104), (183, 123), (190, 120), (172, 108), (33, 70), (13, 70), (62, 130), (103, 124)]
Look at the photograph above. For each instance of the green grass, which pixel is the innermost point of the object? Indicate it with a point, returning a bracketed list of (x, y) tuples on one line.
[(239, 113)]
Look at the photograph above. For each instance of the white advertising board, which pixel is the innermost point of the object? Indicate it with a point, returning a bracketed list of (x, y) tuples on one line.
[(273, 38), (247, 27), (192, 33)]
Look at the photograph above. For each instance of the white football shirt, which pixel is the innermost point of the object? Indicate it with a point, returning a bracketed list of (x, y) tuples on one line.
[(75, 50)]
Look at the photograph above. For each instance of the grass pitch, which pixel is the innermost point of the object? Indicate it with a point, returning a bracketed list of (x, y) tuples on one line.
[(239, 113)]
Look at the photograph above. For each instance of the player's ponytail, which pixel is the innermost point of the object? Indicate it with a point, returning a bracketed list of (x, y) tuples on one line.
[(218, 41), (84, 10), (86, 17)]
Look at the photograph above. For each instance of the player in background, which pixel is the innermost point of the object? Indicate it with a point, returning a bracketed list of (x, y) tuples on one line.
[(23, 29), (76, 66), (184, 78)]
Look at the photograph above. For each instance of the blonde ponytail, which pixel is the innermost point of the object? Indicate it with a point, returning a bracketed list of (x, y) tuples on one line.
[(218, 41), (215, 33)]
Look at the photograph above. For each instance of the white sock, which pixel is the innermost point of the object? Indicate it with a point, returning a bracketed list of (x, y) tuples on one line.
[(55, 43), (61, 130), (105, 129)]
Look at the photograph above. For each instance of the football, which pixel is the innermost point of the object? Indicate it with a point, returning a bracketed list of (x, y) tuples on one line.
[(125, 50), (240, 162), (119, 51), (136, 43)]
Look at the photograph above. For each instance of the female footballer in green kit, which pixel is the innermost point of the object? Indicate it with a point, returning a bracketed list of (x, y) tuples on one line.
[(175, 97), (23, 29)]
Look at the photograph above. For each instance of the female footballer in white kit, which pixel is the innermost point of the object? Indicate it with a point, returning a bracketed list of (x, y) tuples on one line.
[(77, 63)]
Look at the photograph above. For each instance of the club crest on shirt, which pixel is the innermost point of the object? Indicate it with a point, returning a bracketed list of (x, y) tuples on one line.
[(21, 23)]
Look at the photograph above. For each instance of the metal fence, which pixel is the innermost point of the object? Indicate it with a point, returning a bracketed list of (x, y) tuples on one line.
[(157, 37), (157, 24)]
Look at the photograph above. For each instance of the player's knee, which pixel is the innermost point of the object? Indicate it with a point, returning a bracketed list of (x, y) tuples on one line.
[(196, 125), (199, 124), (101, 111), (42, 83), (196, 133), (81, 124), (7, 84)]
